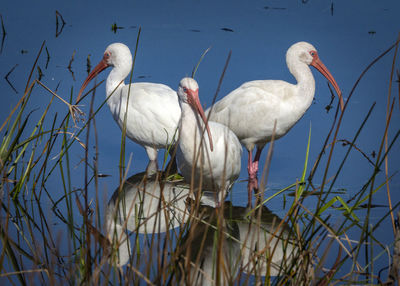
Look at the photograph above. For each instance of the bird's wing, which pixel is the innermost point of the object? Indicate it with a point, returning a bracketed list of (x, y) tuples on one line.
[(252, 98), (155, 113), (252, 107), (226, 145)]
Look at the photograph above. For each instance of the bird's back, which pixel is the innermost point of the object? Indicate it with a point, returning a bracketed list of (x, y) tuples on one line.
[(251, 110), (154, 113)]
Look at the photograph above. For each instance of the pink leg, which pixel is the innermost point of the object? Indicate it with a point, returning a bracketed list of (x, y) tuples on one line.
[(249, 162), (252, 165), (258, 154), (252, 185), (252, 168)]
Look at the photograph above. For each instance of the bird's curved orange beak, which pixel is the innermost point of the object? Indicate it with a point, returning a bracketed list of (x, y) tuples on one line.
[(194, 101), (98, 69), (317, 63)]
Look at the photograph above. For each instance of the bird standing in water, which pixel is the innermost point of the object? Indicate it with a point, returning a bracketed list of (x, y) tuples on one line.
[(252, 110), (153, 108), (211, 158)]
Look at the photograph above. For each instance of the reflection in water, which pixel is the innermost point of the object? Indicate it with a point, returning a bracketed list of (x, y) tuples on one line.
[(59, 27), (265, 239), (210, 250), (8, 81), (211, 244), (255, 245), (4, 33), (145, 204)]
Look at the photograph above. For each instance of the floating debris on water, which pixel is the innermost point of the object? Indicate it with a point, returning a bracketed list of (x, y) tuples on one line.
[(48, 58), (274, 8), (40, 73), (227, 29), (114, 28), (88, 64), (4, 33), (7, 75), (70, 65), (58, 28)]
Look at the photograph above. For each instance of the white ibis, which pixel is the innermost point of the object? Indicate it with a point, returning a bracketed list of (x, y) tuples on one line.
[(145, 204), (214, 161), (210, 250), (268, 244), (153, 108), (251, 110), (263, 244)]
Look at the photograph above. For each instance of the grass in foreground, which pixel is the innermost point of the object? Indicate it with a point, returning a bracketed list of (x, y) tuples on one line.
[(154, 232)]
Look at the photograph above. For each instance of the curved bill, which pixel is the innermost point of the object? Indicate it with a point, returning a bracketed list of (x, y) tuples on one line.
[(193, 99), (317, 63), (99, 68)]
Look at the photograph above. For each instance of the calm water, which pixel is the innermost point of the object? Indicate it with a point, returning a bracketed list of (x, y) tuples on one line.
[(174, 34)]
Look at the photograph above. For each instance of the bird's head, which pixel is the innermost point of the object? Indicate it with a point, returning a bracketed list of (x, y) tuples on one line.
[(306, 53), (116, 55), (302, 51), (188, 92)]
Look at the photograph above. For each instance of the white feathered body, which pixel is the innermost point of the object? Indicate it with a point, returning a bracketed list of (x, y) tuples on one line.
[(153, 114), (217, 169), (251, 110)]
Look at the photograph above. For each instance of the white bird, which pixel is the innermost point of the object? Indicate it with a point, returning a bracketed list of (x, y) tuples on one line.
[(153, 108), (268, 244), (261, 243), (145, 204), (215, 161), (204, 260), (251, 110)]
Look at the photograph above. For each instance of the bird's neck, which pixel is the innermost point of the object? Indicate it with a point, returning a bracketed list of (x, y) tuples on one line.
[(115, 80), (305, 83), (191, 123)]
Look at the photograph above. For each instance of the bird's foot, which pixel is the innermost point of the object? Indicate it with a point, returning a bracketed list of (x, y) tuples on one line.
[(252, 169)]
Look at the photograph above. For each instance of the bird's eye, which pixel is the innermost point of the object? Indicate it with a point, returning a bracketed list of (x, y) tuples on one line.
[(106, 55), (313, 53), (185, 90)]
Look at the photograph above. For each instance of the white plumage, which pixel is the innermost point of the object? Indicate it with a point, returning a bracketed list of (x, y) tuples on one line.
[(251, 110), (215, 161), (153, 108), (144, 204)]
